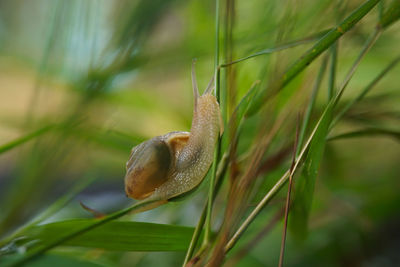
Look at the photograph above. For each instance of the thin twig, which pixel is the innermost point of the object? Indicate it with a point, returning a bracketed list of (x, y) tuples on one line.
[(288, 195), (252, 243), (207, 234)]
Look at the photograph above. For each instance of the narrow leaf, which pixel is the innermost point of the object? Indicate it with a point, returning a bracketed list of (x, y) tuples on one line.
[(279, 47), (304, 191), (52, 260), (308, 57), (367, 133), (368, 88), (391, 15), (118, 235), (24, 139)]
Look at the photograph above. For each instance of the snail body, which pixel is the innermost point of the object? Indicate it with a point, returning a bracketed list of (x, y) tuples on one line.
[(172, 164)]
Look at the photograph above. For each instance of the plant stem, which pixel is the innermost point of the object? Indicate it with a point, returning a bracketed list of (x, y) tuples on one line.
[(207, 234), (287, 206), (332, 72), (196, 234), (275, 189)]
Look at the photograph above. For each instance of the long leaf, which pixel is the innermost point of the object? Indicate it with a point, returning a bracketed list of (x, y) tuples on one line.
[(306, 182), (24, 139), (119, 235), (308, 57), (366, 90), (69, 234), (391, 15), (367, 133), (53, 260), (305, 186), (51, 210), (279, 48)]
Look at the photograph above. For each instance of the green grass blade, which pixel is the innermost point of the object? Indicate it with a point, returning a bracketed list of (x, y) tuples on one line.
[(306, 182), (112, 139), (319, 130), (323, 44), (118, 235), (65, 236), (332, 71), (24, 139), (52, 260), (368, 88), (391, 15), (310, 106), (370, 132), (56, 206), (278, 48), (282, 181), (305, 186)]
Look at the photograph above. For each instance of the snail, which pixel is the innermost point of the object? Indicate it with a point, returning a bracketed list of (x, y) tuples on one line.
[(170, 165)]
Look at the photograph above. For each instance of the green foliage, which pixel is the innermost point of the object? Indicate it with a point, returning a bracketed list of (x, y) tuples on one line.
[(305, 184), (118, 235), (391, 15), (88, 80)]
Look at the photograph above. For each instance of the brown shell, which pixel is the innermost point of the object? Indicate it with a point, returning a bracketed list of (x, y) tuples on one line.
[(151, 163)]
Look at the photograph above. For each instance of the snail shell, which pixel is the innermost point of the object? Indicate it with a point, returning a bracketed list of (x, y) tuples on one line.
[(172, 164)]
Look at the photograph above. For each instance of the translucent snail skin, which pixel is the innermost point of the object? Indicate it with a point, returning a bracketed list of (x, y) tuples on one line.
[(172, 164)]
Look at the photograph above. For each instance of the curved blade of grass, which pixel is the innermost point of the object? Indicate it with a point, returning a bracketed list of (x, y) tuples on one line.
[(305, 185), (56, 206), (367, 133), (332, 71), (323, 44), (24, 139), (279, 48), (54, 259), (63, 237), (310, 106), (280, 183), (391, 15), (318, 130), (109, 138), (118, 235), (366, 90)]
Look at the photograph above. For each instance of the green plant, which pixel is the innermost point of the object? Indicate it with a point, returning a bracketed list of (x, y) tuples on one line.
[(285, 108)]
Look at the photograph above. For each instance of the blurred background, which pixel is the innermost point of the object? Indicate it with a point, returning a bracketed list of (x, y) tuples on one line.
[(82, 82)]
